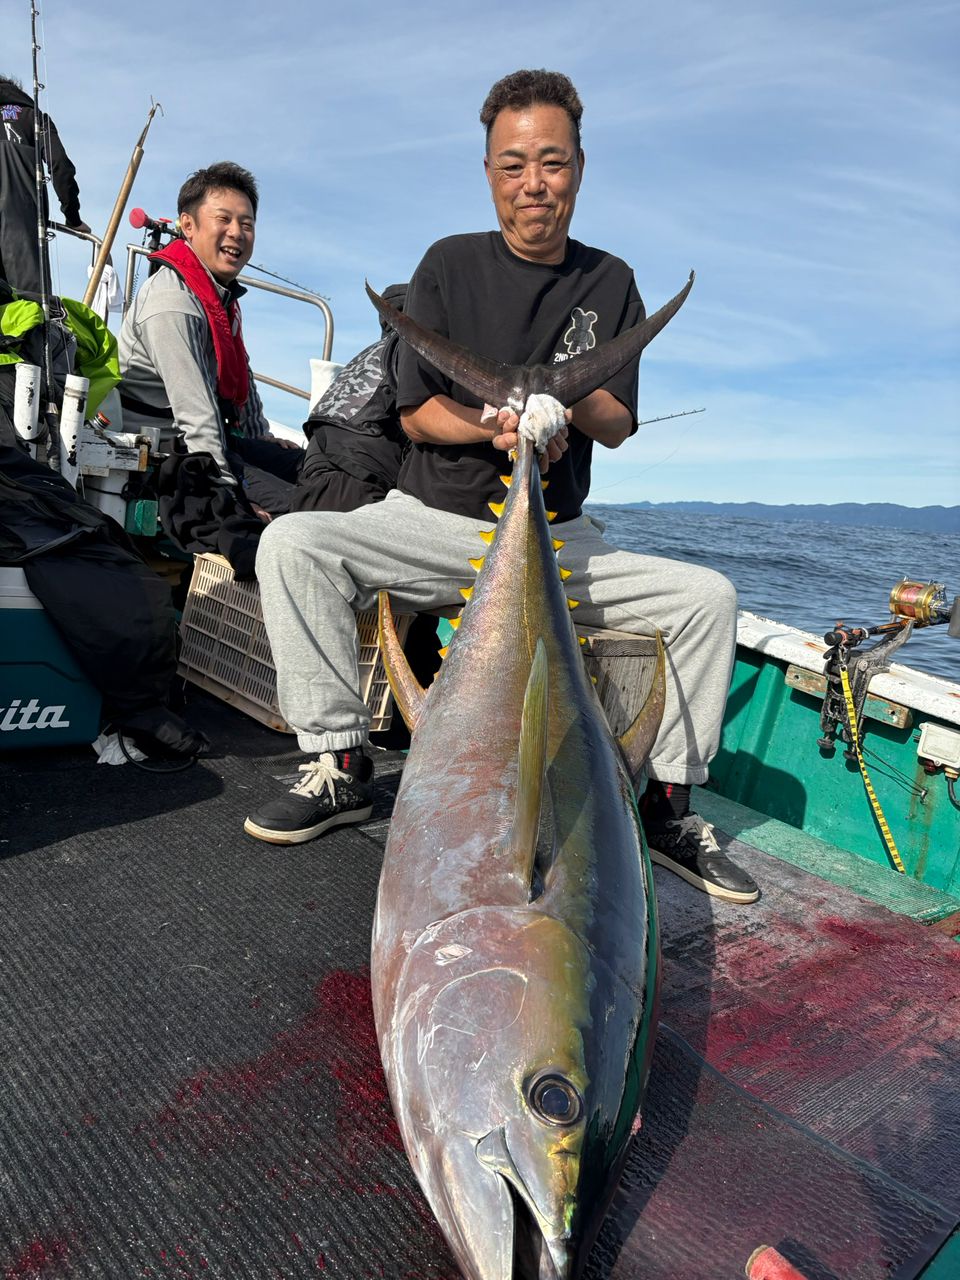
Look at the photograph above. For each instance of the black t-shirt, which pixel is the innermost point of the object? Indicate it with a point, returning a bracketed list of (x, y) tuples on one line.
[(473, 290)]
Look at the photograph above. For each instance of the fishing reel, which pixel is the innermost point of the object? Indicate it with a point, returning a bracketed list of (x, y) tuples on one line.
[(926, 603), (912, 605)]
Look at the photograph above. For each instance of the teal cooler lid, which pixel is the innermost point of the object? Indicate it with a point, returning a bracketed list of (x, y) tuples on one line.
[(45, 699)]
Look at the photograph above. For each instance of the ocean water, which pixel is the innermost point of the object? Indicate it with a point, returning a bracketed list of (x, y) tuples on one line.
[(805, 573)]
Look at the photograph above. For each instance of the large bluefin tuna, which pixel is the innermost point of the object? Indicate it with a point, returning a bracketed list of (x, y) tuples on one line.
[(515, 956)]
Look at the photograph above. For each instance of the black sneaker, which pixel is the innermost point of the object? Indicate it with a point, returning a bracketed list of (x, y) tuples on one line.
[(688, 847), (335, 789)]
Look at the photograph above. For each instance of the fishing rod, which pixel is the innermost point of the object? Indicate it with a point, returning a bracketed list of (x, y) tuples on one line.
[(119, 205), (684, 413), (253, 266), (912, 604), (850, 669), (41, 147)]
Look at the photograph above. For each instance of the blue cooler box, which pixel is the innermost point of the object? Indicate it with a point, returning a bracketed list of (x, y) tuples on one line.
[(45, 699)]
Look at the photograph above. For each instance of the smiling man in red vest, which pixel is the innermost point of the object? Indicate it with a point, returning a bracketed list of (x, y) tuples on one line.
[(182, 356)]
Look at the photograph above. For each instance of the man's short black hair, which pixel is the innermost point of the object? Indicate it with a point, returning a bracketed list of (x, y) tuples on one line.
[(533, 89), (223, 176)]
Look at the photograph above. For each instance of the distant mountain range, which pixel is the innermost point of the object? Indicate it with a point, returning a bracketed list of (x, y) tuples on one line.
[(887, 515)]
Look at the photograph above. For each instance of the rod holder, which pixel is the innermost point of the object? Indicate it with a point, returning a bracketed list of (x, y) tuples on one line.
[(26, 404), (73, 413)]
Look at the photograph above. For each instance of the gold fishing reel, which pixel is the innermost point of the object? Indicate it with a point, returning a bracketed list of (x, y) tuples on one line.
[(925, 602)]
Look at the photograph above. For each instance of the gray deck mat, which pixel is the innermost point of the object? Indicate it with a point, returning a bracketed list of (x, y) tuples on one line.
[(189, 1083)]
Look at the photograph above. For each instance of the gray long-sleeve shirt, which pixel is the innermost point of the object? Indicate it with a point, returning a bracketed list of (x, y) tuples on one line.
[(168, 361)]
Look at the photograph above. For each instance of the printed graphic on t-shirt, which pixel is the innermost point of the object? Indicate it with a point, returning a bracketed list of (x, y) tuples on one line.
[(580, 336)]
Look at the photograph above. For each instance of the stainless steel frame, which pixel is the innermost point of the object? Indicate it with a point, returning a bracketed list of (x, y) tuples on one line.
[(135, 250)]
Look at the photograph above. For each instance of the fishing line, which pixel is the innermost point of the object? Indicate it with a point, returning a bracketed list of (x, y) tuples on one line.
[(660, 461), (895, 774), (314, 293), (634, 474), (52, 239)]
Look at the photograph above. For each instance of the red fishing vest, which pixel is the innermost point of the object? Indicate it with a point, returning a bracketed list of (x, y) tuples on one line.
[(233, 379)]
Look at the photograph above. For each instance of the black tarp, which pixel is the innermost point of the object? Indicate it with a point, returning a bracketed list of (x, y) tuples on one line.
[(113, 612)]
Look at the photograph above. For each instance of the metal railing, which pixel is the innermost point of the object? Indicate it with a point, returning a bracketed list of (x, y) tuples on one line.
[(135, 251), (95, 241), (282, 386)]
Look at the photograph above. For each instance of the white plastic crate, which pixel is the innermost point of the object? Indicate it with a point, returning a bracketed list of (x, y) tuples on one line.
[(225, 649)]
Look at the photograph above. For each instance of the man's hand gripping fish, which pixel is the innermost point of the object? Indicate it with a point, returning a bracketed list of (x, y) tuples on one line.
[(515, 957)]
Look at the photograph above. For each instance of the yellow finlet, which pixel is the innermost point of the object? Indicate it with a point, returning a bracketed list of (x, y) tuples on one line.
[(496, 508), (581, 640), (476, 564), (453, 623), (466, 592), (565, 574), (572, 604), (551, 515), (506, 480), (544, 484), (558, 545), (443, 652), (487, 535)]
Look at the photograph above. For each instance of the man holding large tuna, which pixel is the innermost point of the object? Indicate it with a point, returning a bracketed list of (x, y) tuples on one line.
[(526, 294)]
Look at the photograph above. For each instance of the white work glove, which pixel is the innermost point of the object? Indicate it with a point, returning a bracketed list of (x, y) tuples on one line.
[(542, 418)]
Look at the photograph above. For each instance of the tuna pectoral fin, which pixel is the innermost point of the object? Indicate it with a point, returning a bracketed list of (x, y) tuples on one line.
[(637, 741), (533, 760), (406, 689)]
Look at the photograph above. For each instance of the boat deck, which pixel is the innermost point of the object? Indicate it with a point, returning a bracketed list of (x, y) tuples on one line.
[(190, 1084)]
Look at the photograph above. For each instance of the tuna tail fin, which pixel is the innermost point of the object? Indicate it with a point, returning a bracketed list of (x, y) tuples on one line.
[(491, 380), (504, 384), (575, 379), (522, 840), (406, 689), (636, 743)]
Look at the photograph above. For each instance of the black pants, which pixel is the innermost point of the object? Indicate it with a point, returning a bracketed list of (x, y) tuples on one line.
[(267, 471)]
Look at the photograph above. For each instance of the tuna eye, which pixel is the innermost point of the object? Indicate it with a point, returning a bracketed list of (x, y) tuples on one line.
[(555, 1100)]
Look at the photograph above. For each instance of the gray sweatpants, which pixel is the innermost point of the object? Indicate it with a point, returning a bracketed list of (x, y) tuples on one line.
[(317, 567)]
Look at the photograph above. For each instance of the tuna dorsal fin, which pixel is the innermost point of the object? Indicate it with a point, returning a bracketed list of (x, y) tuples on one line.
[(533, 763), (406, 689), (637, 741)]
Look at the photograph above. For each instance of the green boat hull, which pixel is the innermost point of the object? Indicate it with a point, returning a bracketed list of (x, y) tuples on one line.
[(770, 761)]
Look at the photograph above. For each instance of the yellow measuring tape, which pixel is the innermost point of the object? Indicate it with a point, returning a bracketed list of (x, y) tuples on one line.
[(878, 812)]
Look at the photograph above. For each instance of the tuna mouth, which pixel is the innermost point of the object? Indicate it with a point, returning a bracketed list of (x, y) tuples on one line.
[(533, 1256)]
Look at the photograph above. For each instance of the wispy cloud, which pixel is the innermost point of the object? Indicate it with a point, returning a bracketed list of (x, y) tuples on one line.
[(803, 158)]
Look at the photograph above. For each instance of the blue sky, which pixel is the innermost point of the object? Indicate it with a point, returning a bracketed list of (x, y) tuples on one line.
[(802, 157)]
